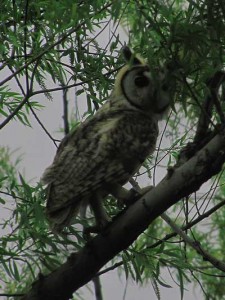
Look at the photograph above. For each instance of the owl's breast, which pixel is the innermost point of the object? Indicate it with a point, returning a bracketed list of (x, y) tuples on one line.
[(136, 136)]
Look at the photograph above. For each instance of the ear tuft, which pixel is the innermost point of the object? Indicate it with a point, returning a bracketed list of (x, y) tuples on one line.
[(127, 53), (129, 56)]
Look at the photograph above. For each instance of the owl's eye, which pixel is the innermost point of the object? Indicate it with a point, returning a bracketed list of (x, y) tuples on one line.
[(141, 81)]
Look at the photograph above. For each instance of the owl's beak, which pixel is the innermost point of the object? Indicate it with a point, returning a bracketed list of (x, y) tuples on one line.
[(162, 101)]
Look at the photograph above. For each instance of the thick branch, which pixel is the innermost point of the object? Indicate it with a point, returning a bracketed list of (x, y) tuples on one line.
[(129, 224), (204, 120)]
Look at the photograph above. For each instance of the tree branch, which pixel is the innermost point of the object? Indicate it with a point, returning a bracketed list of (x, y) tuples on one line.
[(190, 224), (81, 267), (16, 110), (204, 120), (98, 288), (11, 295), (194, 244), (171, 235), (47, 47)]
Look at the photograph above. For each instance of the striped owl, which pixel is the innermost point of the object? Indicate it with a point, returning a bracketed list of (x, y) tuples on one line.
[(106, 150)]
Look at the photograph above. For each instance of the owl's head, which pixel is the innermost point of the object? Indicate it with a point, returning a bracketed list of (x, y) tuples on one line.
[(142, 89)]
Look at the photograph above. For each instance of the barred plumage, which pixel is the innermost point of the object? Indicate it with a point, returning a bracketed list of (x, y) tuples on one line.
[(107, 149)]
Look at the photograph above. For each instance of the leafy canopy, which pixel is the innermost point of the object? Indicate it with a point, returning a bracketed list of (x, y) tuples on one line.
[(49, 47)]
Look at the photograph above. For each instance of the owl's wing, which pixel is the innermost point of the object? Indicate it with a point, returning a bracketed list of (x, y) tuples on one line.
[(87, 160)]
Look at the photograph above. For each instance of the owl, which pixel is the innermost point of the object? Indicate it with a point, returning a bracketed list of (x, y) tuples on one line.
[(106, 150)]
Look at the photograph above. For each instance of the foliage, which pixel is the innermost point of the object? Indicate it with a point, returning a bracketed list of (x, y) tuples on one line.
[(49, 47)]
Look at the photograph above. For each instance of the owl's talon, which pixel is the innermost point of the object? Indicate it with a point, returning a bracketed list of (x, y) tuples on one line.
[(146, 190), (94, 229), (129, 198), (134, 195)]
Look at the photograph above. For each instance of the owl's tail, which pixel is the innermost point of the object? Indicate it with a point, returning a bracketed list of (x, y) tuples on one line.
[(59, 213), (61, 217)]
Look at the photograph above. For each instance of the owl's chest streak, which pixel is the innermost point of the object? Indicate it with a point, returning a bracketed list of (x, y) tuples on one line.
[(134, 136)]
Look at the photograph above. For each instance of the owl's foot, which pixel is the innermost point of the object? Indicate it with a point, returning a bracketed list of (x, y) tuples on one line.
[(122, 195), (99, 227), (133, 195), (146, 190), (129, 198), (101, 217)]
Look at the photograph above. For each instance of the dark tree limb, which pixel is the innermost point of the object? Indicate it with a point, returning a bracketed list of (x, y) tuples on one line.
[(65, 111), (81, 267), (98, 288), (213, 85), (203, 134)]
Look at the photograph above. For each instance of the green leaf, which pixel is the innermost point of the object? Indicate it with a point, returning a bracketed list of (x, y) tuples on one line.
[(2, 201), (181, 283), (6, 268), (26, 186), (16, 272)]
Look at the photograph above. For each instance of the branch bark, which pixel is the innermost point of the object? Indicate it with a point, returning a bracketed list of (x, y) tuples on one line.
[(81, 267)]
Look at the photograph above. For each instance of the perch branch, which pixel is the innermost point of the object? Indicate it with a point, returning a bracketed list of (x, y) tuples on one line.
[(130, 223)]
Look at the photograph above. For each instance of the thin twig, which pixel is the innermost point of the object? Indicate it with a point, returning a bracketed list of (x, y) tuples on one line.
[(115, 266), (17, 80), (26, 98), (65, 111), (74, 84), (98, 288), (190, 224), (194, 244), (194, 97), (46, 47), (180, 231), (25, 45), (204, 120), (16, 110), (13, 196), (11, 295), (42, 126), (157, 152)]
